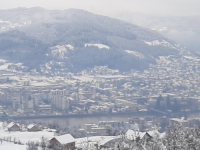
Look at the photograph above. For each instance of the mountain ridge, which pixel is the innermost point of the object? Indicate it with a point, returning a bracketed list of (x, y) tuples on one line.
[(77, 28)]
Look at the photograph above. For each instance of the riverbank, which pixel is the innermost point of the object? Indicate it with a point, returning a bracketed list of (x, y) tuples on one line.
[(80, 115), (81, 119), (144, 113)]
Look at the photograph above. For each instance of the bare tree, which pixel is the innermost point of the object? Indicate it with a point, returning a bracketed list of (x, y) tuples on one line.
[(44, 143), (32, 146)]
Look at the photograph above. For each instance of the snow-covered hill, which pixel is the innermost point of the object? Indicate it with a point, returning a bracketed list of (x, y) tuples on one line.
[(73, 40), (183, 30)]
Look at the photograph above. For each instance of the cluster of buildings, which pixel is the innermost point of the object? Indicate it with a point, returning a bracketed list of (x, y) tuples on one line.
[(12, 126), (104, 91), (112, 128), (144, 124)]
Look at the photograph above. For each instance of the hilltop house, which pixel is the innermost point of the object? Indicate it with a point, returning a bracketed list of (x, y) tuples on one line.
[(67, 142)]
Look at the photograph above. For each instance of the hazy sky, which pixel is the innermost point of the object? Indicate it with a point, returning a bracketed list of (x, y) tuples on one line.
[(160, 7)]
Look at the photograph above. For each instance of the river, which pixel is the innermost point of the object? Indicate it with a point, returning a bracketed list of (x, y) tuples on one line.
[(80, 121)]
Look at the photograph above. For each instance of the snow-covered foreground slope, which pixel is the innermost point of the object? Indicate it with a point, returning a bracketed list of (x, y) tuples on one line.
[(25, 137), (11, 146)]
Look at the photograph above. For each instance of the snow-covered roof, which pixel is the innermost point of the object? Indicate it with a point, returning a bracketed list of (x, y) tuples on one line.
[(154, 133), (66, 138), (30, 126), (11, 124), (132, 135), (101, 140)]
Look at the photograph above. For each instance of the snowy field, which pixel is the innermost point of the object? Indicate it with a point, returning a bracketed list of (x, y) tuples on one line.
[(24, 136), (11, 146)]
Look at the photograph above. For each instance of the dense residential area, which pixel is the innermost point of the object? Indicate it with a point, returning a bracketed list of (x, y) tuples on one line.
[(154, 96), (170, 87)]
